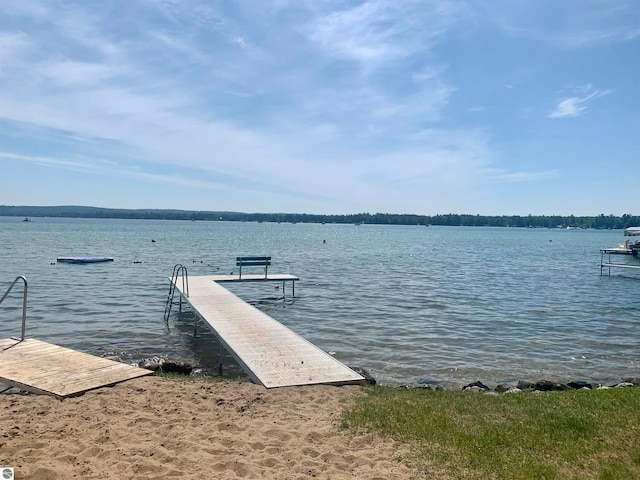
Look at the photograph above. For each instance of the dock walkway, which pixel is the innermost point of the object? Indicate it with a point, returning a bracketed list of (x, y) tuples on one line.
[(269, 352)]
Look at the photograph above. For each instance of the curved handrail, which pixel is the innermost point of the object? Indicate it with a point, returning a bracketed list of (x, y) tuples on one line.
[(24, 302), (178, 270)]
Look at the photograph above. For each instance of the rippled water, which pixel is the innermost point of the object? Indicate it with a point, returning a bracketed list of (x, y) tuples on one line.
[(447, 305)]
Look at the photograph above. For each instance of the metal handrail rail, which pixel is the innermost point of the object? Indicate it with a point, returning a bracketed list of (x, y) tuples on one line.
[(178, 269), (185, 278), (24, 302)]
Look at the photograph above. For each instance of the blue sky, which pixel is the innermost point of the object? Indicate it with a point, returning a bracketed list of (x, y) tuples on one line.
[(319, 106)]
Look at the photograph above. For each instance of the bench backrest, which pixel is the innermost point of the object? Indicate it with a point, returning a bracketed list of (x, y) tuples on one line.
[(253, 262)]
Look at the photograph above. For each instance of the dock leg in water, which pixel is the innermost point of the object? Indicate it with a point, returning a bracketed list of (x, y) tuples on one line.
[(220, 357)]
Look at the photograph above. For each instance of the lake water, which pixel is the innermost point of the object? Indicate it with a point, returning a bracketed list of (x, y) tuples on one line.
[(410, 304)]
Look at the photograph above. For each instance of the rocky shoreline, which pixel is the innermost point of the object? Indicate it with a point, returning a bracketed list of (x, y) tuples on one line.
[(172, 366), (537, 386)]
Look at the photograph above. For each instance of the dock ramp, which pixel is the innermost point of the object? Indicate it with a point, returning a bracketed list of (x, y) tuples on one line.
[(40, 367)]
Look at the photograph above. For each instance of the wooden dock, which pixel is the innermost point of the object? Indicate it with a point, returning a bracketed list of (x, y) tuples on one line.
[(40, 367), (269, 352)]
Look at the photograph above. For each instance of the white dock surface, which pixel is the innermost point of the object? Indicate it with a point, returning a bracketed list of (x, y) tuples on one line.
[(271, 354)]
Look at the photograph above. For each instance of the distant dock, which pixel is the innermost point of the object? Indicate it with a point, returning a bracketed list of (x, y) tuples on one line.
[(606, 266)]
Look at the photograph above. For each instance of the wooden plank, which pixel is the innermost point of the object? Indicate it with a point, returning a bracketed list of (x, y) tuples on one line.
[(60, 361), (63, 385), (64, 382), (271, 354), (29, 352), (41, 367), (75, 382)]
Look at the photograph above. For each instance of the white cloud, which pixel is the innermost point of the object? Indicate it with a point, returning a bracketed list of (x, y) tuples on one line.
[(518, 177), (306, 100), (566, 25), (356, 33), (570, 107), (80, 165), (74, 73), (27, 8), (577, 105), (376, 32), (12, 43), (599, 37)]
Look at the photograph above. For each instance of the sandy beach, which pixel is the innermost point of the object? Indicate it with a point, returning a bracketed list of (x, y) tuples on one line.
[(155, 427)]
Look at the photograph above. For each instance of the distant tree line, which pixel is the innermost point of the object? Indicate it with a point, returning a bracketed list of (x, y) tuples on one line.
[(601, 221)]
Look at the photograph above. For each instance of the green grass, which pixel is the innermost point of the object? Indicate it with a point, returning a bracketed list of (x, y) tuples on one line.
[(553, 435)]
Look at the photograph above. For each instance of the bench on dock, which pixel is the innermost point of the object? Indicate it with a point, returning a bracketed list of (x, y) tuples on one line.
[(249, 277), (253, 262)]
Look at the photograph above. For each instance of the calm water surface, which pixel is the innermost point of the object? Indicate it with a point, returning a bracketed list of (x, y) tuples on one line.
[(410, 304)]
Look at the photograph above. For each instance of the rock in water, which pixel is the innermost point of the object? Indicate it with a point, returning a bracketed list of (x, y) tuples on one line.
[(176, 367), (476, 385), (548, 386), (367, 376)]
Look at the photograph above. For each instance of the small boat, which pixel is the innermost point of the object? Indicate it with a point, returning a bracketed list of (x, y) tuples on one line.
[(84, 259), (633, 246), (628, 247), (26, 219)]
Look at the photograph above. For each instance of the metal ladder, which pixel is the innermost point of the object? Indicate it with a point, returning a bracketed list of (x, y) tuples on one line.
[(24, 302), (178, 270)]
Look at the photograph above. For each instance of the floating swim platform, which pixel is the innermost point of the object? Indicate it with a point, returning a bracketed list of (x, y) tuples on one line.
[(84, 259)]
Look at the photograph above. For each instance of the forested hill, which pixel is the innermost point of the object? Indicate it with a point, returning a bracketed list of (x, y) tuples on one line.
[(539, 221)]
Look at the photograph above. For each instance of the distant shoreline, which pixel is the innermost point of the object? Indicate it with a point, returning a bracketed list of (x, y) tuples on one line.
[(598, 222)]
